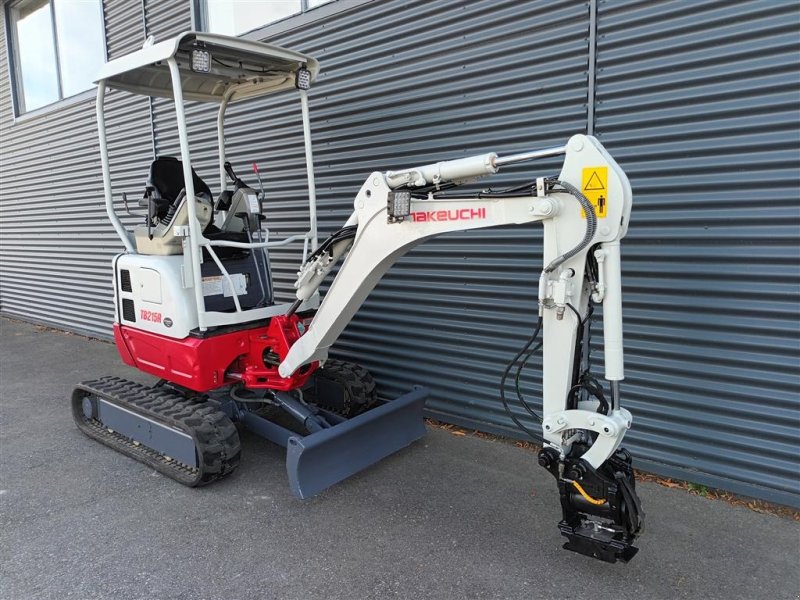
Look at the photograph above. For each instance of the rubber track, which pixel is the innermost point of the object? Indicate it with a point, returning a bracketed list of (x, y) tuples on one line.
[(215, 436), (359, 387)]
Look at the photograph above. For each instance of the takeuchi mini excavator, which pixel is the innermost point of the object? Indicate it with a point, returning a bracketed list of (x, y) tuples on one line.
[(194, 303)]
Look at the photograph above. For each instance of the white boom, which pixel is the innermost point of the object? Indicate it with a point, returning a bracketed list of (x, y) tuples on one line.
[(379, 242)]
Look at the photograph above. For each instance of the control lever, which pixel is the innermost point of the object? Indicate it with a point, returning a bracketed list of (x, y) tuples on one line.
[(260, 183), (229, 170), (237, 183)]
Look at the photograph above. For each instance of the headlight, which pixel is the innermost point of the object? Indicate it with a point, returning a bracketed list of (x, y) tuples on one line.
[(201, 60), (398, 205), (302, 79)]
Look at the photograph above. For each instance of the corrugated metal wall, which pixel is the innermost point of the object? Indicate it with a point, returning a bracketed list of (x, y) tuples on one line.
[(55, 242), (695, 100), (699, 103)]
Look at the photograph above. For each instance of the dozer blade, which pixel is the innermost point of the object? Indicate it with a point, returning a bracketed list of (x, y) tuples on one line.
[(317, 461)]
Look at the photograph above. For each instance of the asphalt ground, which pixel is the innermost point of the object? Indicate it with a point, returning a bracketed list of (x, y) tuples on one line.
[(450, 517)]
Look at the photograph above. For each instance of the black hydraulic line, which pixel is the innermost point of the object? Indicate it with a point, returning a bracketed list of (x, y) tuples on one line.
[(585, 381), (591, 227), (337, 236), (293, 308), (520, 368), (342, 234), (510, 192), (588, 207), (503, 379), (591, 224)]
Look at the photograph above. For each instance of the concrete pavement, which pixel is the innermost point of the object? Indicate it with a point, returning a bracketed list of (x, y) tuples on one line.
[(449, 517)]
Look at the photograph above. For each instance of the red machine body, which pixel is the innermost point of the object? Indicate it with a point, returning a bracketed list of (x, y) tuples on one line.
[(248, 356)]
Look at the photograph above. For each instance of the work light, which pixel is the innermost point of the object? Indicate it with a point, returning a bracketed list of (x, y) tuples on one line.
[(398, 205), (302, 80), (201, 60)]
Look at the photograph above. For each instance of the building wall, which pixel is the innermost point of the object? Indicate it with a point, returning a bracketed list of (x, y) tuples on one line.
[(698, 101), (55, 243), (694, 100)]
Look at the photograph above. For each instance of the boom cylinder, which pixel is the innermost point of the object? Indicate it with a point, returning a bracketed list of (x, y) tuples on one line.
[(462, 169), (441, 172), (526, 156)]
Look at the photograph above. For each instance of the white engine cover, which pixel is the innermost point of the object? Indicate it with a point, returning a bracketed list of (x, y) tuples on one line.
[(152, 297)]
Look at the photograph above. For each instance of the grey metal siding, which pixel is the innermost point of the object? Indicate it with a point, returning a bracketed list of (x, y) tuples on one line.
[(699, 103), (696, 100), (165, 18), (55, 242)]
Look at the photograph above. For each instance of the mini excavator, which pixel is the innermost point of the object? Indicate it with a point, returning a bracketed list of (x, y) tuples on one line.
[(194, 303)]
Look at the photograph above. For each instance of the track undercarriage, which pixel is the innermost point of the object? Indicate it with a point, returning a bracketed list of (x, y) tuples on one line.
[(334, 428), (188, 440)]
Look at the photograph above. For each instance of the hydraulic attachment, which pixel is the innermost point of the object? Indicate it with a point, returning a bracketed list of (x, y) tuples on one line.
[(602, 514)]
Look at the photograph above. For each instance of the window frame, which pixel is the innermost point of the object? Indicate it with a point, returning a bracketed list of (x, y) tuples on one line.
[(306, 16), (15, 69)]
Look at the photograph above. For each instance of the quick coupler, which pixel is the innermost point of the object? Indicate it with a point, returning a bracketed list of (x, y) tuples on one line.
[(602, 515)]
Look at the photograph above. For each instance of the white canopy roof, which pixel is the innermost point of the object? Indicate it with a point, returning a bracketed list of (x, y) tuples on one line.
[(242, 68)]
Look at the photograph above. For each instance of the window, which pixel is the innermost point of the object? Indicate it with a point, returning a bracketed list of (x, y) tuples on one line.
[(235, 17), (58, 47)]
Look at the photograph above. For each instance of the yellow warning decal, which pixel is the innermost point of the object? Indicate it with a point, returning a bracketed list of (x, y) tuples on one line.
[(594, 185)]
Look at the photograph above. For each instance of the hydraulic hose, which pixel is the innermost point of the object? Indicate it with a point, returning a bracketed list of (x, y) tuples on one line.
[(591, 224)]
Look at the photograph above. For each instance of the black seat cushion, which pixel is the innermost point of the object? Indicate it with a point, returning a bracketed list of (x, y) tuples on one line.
[(165, 183)]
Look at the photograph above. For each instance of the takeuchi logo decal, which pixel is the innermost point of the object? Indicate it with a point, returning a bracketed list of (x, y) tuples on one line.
[(457, 214)]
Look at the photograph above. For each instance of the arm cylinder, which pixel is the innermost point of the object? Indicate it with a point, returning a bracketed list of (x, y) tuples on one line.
[(532, 155), (463, 168), (612, 312)]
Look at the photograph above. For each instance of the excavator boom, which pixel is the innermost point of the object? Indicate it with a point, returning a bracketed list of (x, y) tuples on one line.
[(585, 212)]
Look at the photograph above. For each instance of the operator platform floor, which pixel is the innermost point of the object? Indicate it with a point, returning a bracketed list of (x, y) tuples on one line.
[(450, 517)]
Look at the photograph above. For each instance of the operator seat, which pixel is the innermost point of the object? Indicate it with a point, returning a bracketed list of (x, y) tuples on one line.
[(165, 198)]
